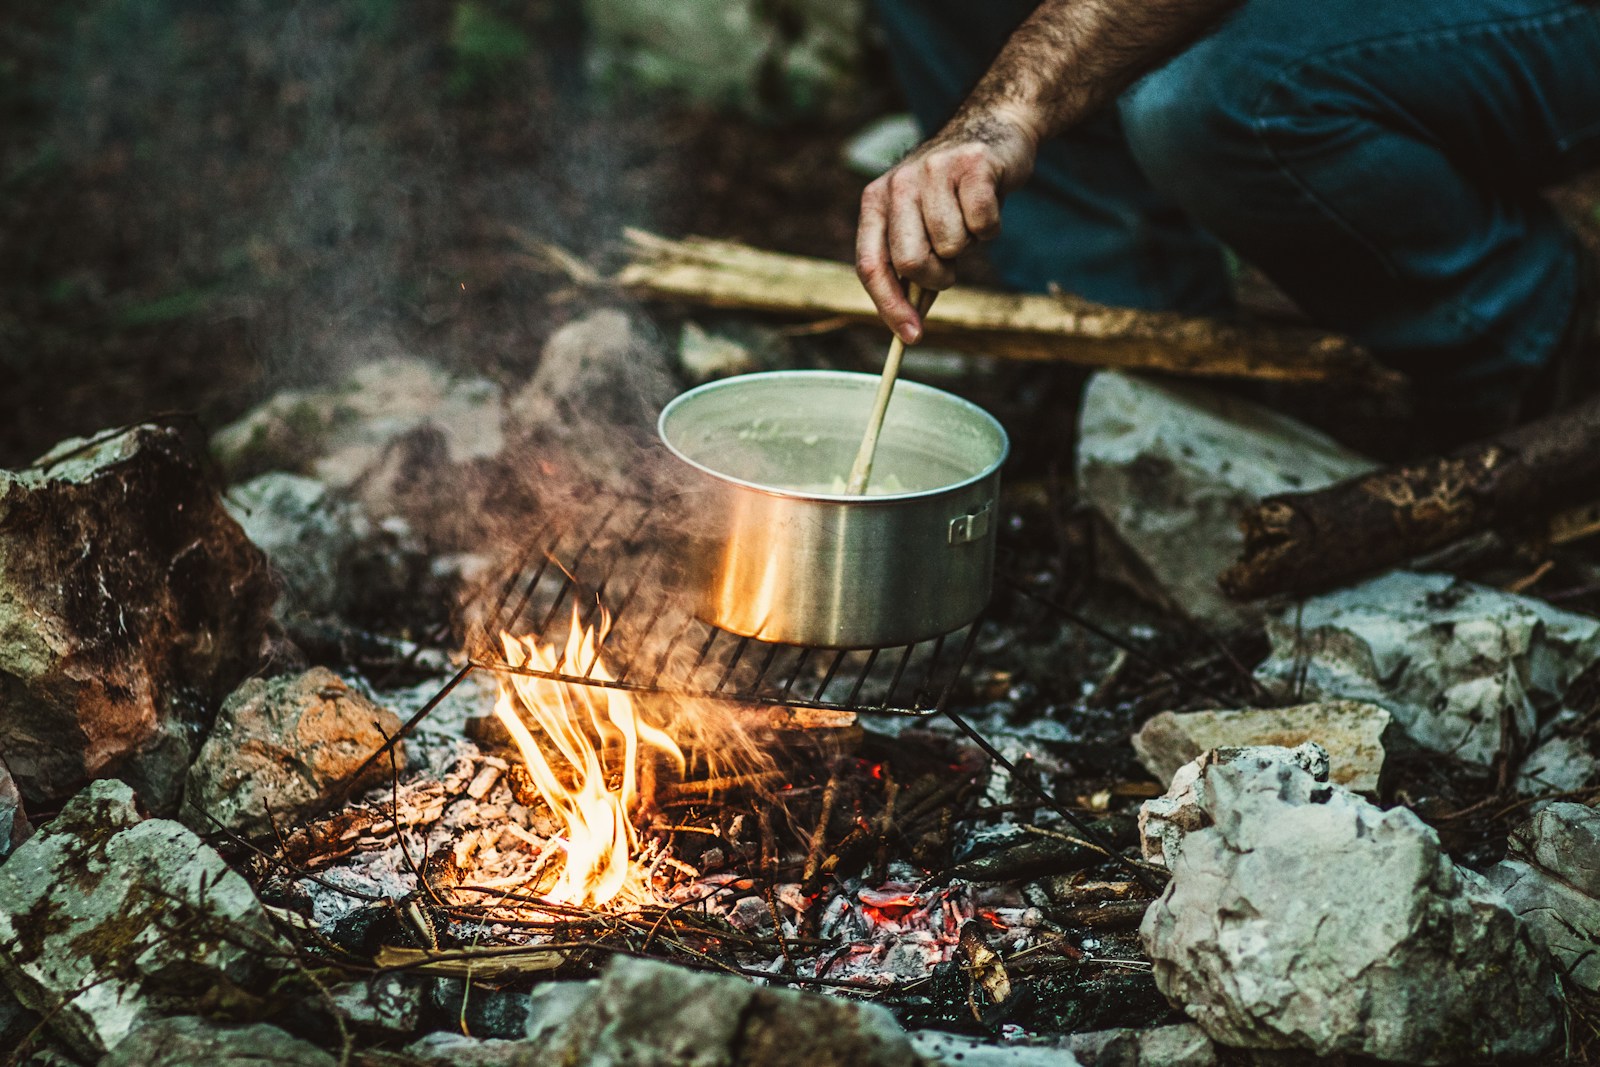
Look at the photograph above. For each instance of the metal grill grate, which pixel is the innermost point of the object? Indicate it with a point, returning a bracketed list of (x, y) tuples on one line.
[(605, 565)]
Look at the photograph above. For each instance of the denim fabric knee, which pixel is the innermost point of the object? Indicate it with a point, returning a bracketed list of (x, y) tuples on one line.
[(1382, 164)]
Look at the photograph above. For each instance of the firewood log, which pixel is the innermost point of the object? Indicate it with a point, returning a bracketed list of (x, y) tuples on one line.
[(1303, 542)]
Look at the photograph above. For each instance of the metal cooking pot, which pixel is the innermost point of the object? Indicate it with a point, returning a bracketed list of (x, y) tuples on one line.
[(776, 550)]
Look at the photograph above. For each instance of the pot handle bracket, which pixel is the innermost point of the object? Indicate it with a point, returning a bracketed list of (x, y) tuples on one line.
[(973, 526)]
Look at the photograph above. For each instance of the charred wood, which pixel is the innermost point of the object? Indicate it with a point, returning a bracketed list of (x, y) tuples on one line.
[(1304, 542)]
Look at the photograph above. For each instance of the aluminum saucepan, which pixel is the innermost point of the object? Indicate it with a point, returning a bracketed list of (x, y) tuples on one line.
[(775, 548)]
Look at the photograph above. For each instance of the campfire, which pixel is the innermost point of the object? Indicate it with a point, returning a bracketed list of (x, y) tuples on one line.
[(641, 782), (952, 836)]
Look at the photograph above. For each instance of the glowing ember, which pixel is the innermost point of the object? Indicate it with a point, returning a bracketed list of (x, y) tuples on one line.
[(582, 745)]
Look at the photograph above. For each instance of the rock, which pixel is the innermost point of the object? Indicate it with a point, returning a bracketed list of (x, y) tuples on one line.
[(650, 1014), (130, 603), (409, 443), (284, 745), (1185, 1045), (1551, 878), (1349, 731), (385, 1001), (333, 559), (937, 1049), (1560, 765), (551, 1004), (1164, 821), (14, 825), (1172, 467), (191, 1042), (1453, 662), (457, 1050), (600, 368), (704, 356), (883, 143), (1301, 916), (17, 1023), (341, 435), (742, 54), (108, 921)]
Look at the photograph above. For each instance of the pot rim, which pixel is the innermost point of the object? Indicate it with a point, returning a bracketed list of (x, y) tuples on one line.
[(870, 380)]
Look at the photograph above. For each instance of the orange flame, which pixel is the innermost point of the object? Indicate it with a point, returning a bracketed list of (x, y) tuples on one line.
[(584, 760)]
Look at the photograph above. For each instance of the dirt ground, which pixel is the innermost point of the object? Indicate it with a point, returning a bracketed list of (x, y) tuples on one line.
[(203, 203)]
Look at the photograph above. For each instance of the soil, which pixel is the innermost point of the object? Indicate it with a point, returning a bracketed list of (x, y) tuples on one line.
[(204, 203)]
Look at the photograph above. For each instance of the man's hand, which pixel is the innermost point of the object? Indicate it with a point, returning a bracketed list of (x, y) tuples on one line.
[(1068, 58), (932, 205)]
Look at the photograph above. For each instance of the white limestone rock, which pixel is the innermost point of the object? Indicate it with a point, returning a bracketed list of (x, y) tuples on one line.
[(650, 1014), (1349, 731), (1173, 467), (1559, 765), (1455, 663), (342, 434), (1301, 916), (1183, 1045), (280, 747), (333, 560), (1165, 820), (14, 825), (108, 921), (1551, 878), (704, 355), (937, 1049), (191, 1042)]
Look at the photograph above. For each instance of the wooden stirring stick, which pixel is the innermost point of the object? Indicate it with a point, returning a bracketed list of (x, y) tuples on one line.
[(861, 470)]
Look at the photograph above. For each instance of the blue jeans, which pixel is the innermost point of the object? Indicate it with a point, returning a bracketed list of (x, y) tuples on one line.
[(1379, 160)]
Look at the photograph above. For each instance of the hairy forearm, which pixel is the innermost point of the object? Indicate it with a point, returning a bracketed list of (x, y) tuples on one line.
[(1071, 56)]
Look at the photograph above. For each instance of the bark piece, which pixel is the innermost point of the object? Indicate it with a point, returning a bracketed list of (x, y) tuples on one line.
[(1301, 916), (1026, 327), (108, 921), (1349, 731), (130, 604), (281, 748), (1305, 541)]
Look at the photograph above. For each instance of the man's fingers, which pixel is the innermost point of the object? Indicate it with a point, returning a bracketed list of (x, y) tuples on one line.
[(980, 205), (942, 214), (875, 269), (909, 247)]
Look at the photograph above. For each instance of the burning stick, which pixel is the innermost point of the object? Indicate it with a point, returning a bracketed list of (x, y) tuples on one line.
[(880, 864), (680, 792), (819, 836)]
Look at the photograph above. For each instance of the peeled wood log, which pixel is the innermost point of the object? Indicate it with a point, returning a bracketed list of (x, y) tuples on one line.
[(1303, 542), (1015, 326)]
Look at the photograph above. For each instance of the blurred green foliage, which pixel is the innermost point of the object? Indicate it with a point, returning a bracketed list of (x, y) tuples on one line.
[(483, 45)]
